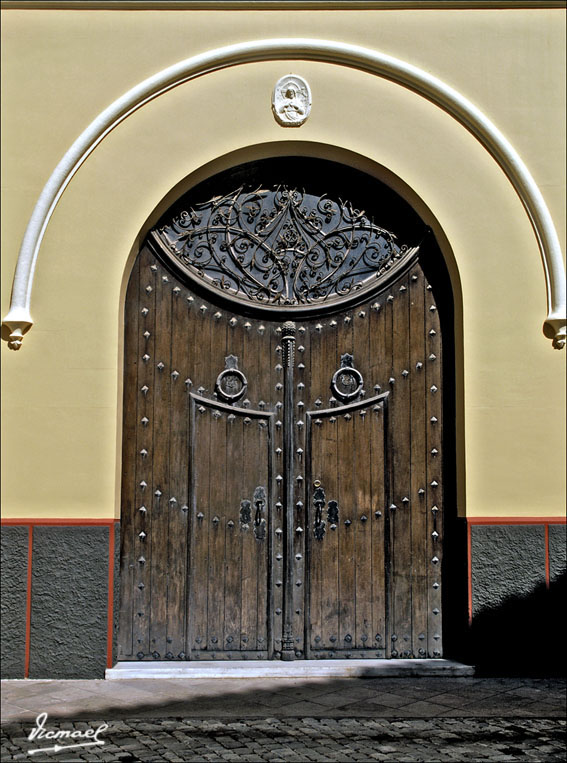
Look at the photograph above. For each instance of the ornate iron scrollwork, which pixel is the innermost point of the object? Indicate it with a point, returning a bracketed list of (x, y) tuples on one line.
[(231, 383), (280, 247), (347, 382)]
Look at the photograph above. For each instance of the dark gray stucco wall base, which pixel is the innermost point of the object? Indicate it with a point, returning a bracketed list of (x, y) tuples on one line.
[(116, 597), (69, 602), (557, 551), (508, 560), (13, 601), (517, 620)]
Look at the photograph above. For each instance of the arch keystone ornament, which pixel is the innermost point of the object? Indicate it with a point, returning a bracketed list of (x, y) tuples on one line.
[(291, 101), (19, 320)]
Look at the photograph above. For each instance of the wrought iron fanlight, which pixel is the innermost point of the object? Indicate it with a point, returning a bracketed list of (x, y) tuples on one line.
[(281, 248)]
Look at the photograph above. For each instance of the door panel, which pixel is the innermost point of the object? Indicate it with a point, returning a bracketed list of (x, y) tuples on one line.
[(230, 530), (348, 486)]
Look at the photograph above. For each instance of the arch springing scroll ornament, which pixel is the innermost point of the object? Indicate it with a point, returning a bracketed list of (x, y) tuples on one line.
[(281, 248)]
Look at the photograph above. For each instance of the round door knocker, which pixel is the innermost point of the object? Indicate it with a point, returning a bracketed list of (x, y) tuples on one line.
[(231, 383), (347, 382)]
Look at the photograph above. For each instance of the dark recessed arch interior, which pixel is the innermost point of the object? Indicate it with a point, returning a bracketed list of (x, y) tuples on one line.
[(319, 177)]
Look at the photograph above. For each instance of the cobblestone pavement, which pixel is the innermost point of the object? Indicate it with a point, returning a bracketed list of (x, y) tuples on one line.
[(305, 739)]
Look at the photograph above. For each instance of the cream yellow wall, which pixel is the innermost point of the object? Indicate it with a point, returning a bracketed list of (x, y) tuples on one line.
[(61, 394)]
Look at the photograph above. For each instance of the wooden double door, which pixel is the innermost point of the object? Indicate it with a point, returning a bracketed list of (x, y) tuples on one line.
[(282, 473)]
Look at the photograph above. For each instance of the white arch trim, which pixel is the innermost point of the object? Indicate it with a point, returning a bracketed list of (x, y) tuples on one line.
[(19, 319)]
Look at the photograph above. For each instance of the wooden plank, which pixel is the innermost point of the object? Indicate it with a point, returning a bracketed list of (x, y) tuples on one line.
[(251, 477), (260, 429), (401, 518), (378, 513), (315, 471), (200, 523), (143, 515), (330, 548), (380, 352), (329, 362), (315, 543), (434, 394), (182, 342), (420, 540), (379, 361), (217, 526), (362, 424), (345, 489), (233, 492), (161, 494), (347, 530), (249, 619), (128, 490), (387, 302), (217, 493), (201, 474), (263, 400), (233, 560)]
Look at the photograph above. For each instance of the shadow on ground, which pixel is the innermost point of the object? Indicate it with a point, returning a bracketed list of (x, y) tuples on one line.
[(337, 698), (522, 636)]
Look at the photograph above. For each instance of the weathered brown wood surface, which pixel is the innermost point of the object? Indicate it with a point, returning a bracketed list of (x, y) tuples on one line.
[(200, 579)]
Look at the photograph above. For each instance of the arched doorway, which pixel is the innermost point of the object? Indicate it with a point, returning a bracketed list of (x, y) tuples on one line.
[(284, 432)]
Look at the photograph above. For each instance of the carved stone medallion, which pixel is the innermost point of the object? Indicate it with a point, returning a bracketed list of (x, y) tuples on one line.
[(291, 101)]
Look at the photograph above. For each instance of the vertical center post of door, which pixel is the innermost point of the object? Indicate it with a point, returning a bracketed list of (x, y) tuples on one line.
[(288, 341)]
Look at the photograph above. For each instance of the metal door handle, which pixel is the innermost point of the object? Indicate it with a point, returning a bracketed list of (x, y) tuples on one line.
[(318, 502), (259, 521)]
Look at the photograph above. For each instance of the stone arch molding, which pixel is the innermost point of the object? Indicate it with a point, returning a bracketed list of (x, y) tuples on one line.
[(19, 319)]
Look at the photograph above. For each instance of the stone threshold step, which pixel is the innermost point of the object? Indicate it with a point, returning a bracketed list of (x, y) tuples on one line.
[(295, 669)]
